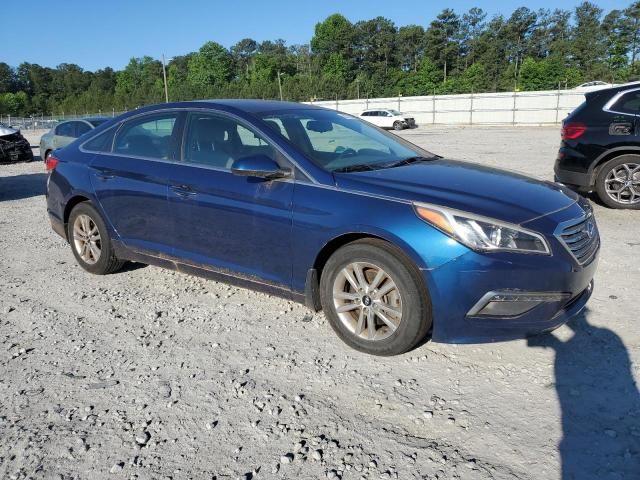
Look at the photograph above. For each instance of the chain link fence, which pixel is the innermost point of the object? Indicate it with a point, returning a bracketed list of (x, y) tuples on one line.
[(44, 122)]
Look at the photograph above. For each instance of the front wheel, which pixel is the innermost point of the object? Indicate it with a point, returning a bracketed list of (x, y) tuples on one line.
[(90, 241), (618, 182), (374, 298), (398, 125)]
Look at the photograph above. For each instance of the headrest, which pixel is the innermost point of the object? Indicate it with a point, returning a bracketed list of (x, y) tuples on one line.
[(210, 130)]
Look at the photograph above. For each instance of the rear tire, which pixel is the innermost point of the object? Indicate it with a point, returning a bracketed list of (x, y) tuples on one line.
[(90, 241), (391, 313), (618, 182)]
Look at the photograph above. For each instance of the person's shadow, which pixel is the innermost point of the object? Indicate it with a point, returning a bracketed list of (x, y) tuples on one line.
[(600, 403)]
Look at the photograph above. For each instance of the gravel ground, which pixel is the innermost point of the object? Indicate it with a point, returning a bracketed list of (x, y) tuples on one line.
[(150, 373)]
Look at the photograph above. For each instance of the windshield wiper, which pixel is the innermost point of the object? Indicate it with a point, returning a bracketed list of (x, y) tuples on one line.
[(359, 167), (408, 161)]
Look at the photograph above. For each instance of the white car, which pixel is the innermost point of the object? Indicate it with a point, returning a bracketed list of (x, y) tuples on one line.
[(595, 85), (387, 118)]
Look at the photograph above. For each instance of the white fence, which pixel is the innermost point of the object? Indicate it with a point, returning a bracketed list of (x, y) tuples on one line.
[(513, 108), (509, 108)]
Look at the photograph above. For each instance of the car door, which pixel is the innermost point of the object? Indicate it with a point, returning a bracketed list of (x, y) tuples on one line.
[(131, 180), (626, 122), (386, 119), (226, 222), (368, 117), (375, 117), (65, 133)]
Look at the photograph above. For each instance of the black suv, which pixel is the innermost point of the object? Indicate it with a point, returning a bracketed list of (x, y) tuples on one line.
[(600, 147)]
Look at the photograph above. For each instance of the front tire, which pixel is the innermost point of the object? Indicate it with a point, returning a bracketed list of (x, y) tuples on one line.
[(618, 182), (398, 125), (90, 241), (374, 298)]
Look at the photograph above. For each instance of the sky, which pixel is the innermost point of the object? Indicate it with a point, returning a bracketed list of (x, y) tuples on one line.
[(96, 34)]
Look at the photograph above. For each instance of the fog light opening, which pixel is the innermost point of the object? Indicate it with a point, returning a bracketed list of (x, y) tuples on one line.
[(513, 304)]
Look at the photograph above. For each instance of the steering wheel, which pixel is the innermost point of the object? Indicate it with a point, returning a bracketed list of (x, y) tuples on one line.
[(345, 152)]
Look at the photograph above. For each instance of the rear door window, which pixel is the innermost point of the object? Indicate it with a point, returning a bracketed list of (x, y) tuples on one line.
[(66, 129), (151, 136), (101, 143), (81, 129)]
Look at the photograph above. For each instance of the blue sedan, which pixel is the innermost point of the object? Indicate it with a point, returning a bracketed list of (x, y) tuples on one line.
[(393, 242)]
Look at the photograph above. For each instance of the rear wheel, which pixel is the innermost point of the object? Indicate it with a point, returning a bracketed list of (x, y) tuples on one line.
[(374, 298), (618, 182), (90, 241)]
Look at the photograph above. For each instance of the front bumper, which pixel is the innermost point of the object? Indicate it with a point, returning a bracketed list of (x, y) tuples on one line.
[(15, 150), (460, 289)]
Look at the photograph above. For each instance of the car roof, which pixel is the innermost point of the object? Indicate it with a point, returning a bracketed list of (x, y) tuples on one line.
[(85, 119), (256, 106), (239, 105), (611, 90)]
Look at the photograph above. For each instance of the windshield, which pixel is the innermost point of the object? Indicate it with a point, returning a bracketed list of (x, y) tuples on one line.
[(395, 112), (338, 142)]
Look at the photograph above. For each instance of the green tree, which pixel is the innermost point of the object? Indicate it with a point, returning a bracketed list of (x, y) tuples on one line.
[(333, 35), (211, 67), (588, 48), (442, 40), (7, 78), (410, 46)]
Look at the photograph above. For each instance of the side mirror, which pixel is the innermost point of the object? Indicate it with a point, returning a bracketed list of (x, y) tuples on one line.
[(259, 166)]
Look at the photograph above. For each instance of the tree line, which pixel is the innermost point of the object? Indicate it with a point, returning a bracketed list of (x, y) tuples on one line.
[(455, 53)]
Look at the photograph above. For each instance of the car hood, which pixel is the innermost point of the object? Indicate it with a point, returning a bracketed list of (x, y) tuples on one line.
[(6, 130), (491, 192)]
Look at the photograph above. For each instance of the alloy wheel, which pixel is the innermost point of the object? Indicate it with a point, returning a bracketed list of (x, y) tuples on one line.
[(367, 301), (622, 184), (86, 238)]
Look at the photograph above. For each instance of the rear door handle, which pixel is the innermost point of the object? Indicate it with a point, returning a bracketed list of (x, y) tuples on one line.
[(623, 128), (105, 175), (182, 190)]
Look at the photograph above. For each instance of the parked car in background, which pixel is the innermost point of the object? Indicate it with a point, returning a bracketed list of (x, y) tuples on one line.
[(13, 146), (390, 240), (600, 147), (595, 85), (66, 132), (387, 118)]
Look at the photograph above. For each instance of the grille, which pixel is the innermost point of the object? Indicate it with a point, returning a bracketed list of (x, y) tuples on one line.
[(582, 238)]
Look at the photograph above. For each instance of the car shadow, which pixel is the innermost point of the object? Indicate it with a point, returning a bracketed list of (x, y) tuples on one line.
[(23, 186), (132, 266), (600, 403)]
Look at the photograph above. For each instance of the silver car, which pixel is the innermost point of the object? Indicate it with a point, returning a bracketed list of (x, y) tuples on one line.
[(66, 132)]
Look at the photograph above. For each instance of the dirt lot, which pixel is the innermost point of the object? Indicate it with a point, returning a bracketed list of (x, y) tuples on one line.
[(150, 373)]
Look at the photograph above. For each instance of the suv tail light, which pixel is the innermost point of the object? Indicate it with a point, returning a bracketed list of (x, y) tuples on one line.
[(51, 163), (572, 130)]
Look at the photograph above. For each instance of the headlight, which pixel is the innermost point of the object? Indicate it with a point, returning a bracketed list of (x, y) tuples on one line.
[(481, 233)]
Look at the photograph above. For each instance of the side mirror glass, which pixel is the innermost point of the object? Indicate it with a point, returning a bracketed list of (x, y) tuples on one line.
[(259, 166), (320, 126)]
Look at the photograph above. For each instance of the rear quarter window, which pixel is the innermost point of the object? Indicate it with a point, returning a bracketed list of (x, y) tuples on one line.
[(100, 143), (628, 103)]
